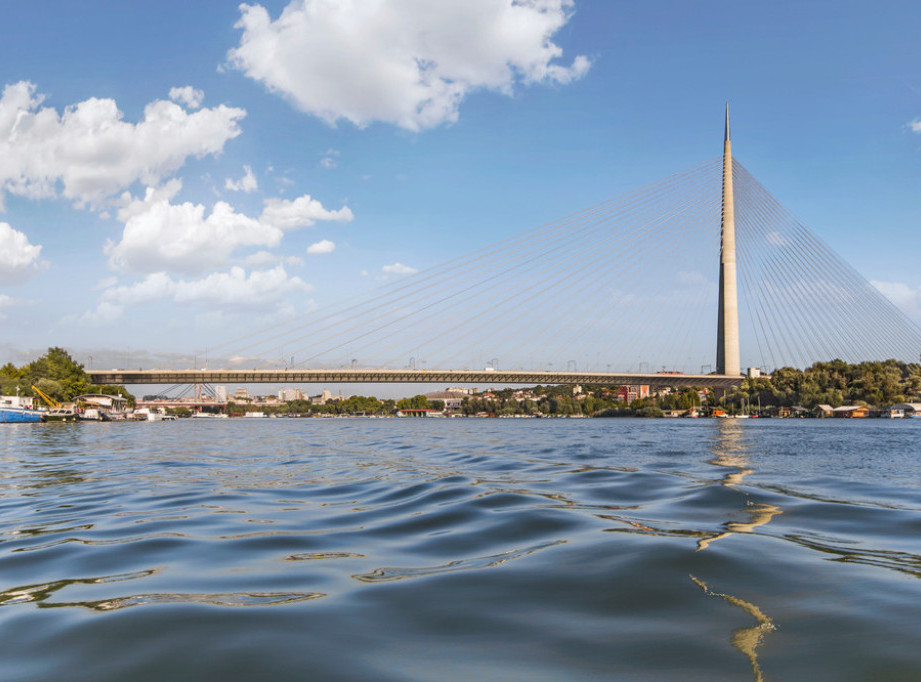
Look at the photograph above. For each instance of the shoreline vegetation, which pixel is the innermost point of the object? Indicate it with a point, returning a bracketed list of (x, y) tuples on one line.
[(786, 392), (57, 375)]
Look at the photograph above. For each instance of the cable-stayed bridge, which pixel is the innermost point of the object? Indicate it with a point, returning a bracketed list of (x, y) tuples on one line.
[(698, 276)]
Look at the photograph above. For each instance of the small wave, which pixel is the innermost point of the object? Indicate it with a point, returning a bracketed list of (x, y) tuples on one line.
[(318, 556), (389, 574), (42, 591), (231, 599)]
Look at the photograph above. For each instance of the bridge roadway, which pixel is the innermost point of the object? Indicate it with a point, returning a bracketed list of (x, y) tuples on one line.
[(402, 376)]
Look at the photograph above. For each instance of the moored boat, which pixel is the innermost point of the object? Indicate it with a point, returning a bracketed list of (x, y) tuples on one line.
[(17, 410), (62, 413)]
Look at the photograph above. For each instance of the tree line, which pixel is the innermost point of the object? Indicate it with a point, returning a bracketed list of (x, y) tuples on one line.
[(836, 383), (57, 375)]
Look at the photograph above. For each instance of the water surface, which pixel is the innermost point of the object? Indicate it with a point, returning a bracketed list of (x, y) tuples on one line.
[(353, 549)]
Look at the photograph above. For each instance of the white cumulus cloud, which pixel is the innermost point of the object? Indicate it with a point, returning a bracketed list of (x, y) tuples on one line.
[(88, 152), (398, 269), (18, 258), (184, 238), (322, 246), (915, 125), (406, 62), (234, 290), (237, 289), (162, 236), (247, 183), (290, 214), (187, 95)]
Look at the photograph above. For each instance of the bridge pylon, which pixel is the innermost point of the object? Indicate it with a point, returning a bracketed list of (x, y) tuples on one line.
[(727, 336)]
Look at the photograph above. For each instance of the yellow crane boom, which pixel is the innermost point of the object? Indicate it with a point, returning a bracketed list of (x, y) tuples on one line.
[(48, 399)]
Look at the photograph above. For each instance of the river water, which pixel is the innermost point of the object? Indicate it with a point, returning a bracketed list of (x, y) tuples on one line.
[(503, 549)]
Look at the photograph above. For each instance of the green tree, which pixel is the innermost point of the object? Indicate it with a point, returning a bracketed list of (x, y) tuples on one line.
[(417, 402)]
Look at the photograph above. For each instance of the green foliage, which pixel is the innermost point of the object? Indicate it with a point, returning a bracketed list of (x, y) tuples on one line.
[(51, 388), (838, 383), (417, 402), (10, 379), (56, 374)]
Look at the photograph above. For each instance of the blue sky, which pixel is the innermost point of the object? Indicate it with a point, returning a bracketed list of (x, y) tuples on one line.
[(191, 171)]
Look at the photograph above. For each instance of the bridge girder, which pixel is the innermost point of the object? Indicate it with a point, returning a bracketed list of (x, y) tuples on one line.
[(404, 376)]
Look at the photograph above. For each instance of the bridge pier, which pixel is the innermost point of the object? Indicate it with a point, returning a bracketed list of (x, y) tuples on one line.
[(727, 336)]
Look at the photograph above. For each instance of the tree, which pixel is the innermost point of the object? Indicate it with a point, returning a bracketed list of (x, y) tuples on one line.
[(417, 402)]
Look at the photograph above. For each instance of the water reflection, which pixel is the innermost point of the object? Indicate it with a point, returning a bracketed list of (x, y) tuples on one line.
[(747, 640), (231, 599), (731, 450), (42, 593), (388, 574)]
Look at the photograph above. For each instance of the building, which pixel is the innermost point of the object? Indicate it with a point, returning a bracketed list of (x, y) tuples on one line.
[(824, 410), (452, 399), (627, 394), (241, 394), (220, 394), (906, 409), (287, 395), (852, 412), (324, 397)]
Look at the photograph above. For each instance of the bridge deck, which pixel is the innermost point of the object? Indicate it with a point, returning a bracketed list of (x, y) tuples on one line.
[(402, 376)]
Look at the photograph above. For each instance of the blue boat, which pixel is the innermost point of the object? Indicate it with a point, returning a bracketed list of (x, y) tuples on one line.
[(15, 410)]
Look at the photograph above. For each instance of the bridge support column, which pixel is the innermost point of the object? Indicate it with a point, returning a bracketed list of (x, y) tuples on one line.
[(727, 337)]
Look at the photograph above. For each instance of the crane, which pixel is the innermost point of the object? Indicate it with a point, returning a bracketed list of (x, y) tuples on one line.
[(47, 398)]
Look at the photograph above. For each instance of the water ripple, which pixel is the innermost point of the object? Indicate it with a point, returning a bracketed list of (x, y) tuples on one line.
[(400, 550), (389, 574)]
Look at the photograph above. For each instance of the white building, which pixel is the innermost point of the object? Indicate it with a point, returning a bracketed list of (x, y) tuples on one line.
[(287, 395)]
